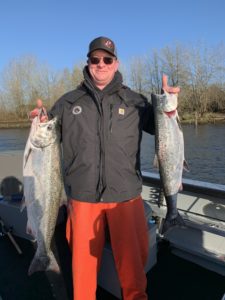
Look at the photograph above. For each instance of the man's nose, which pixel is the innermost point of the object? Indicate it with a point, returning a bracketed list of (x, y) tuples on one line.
[(101, 63)]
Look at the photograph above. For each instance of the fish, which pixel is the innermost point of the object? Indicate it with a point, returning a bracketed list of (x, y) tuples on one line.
[(43, 190), (169, 149)]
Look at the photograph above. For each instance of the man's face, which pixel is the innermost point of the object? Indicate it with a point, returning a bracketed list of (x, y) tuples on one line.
[(101, 72)]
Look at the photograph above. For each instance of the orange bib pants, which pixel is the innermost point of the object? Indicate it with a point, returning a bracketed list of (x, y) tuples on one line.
[(85, 232)]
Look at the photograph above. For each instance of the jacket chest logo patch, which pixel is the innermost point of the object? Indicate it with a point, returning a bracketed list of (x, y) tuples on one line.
[(121, 111), (77, 110)]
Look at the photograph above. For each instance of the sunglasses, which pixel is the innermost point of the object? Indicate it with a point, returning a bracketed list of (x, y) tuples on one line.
[(94, 60)]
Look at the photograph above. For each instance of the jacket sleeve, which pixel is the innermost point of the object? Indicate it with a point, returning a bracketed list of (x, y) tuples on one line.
[(148, 119), (65, 100), (57, 110)]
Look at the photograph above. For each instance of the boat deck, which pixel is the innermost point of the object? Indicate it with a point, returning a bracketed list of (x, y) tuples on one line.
[(190, 261), (171, 278)]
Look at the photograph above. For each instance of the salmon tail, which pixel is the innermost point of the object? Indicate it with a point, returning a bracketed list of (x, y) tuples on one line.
[(44, 263), (30, 231), (160, 198), (181, 187), (173, 217), (171, 223)]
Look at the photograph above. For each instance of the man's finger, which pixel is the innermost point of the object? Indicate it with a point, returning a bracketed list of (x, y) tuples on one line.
[(39, 103), (169, 89), (164, 81), (34, 113), (172, 90), (43, 119)]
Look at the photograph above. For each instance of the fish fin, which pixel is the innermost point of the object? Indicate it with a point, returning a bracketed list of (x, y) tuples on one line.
[(29, 230), (23, 204), (26, 156), (181, 187), (185, 166), (160, 198), (44, 263), (64, 198), (171, 223), (156, 162), (179, 122)]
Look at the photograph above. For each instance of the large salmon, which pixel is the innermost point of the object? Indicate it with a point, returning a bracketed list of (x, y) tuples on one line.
[(169, 147), (43, 189)]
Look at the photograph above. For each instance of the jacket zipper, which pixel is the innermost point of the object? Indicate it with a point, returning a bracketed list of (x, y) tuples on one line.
[(110, 117)]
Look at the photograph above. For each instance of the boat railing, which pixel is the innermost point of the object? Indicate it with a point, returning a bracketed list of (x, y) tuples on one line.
[(202, 206), (196, 186), (201, 203)]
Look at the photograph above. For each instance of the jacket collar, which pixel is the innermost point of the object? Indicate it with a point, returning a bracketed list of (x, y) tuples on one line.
[(111, 88), (87, 87)]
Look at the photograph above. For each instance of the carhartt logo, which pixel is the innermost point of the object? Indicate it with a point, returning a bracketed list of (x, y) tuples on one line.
[(77, 110), (121, 111)]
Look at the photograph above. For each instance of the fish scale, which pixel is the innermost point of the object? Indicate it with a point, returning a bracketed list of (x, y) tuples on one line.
[(43, 190), (169, 147)]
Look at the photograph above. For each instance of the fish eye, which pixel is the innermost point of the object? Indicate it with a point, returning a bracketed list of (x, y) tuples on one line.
[(49, 127)]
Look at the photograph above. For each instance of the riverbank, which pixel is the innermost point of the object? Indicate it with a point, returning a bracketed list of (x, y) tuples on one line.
[(14, 124), (210, 118)]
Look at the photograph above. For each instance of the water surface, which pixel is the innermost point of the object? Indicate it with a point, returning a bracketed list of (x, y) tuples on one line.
[(204, 150)]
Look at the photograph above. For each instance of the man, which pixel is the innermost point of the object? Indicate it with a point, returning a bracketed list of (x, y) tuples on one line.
[(101, 128)]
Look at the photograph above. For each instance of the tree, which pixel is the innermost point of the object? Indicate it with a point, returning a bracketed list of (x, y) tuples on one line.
[(23, 81), (154, 73), (137, 75)]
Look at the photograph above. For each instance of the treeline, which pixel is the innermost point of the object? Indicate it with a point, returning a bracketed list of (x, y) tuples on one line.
[(25, 79), (199, 70)]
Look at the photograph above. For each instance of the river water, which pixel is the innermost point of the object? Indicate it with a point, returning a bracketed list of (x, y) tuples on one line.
[(204, 150)]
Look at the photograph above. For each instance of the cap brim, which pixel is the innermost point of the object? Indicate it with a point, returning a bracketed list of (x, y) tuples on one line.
[(106, 50)]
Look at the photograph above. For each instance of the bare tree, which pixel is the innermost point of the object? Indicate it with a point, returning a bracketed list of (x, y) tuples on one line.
[(77, 75), (154, 73), (138, 75), (23, 81), (199, 70)]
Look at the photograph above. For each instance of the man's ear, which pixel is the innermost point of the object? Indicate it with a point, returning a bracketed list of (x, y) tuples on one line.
[(117, 65)]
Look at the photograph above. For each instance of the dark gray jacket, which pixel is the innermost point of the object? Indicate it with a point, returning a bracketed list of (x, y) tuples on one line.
[(101, 133)]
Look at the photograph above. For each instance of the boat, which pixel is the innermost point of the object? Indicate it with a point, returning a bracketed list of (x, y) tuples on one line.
[(185, 263)]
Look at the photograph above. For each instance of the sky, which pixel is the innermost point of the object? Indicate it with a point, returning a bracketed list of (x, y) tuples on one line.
[(58, 32)]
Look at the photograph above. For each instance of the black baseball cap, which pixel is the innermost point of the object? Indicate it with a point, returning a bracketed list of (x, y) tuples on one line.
[(102, 43)]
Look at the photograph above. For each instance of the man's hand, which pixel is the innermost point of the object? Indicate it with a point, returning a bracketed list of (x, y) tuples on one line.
[(167, 88), (40, 111)]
